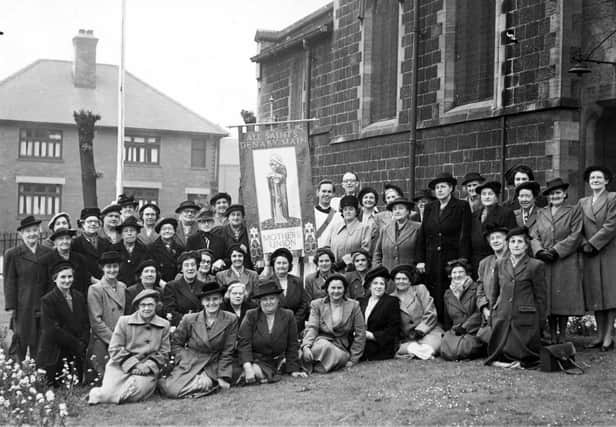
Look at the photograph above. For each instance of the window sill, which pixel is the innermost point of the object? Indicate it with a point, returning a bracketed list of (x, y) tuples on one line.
[(468, 112), (39, 159), (381, 128), (142, 165)]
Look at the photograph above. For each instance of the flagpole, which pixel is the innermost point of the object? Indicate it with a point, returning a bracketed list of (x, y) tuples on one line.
[(120, 141)]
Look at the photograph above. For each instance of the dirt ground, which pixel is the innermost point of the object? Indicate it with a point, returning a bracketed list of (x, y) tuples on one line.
[(395, 392)]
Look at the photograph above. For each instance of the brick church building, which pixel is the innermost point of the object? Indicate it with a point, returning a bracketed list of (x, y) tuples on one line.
[(404, 89)]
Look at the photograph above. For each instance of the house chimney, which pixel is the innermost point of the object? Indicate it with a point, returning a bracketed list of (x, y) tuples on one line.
[(84, 64)]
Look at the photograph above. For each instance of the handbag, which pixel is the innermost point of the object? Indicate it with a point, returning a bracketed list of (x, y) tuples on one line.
[(559, 357)]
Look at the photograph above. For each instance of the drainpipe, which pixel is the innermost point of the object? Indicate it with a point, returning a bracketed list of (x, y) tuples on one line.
[(413, 112), (307, 76), (503, 148)]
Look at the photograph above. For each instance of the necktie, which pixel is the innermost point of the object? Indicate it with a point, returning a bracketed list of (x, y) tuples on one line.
[(524, 216), (484, 215)]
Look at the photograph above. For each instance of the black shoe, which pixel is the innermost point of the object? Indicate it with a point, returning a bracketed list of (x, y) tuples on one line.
[(605, 348), (594, 345)]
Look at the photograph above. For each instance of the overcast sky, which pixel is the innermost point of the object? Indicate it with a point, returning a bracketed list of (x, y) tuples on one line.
[(196, 51)]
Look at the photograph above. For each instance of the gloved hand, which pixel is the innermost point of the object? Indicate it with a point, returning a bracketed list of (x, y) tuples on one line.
[(459, 330), (589, 249), (544, 256), (554, 254), (419, 334)]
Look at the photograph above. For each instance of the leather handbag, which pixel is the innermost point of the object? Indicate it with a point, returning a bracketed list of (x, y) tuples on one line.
[(559, 357)]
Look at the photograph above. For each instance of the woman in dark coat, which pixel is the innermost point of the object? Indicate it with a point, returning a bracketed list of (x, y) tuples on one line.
[(382, 315), (65, 327), (556, 237), (325, 261), (489, 213), (180, 296), (267, 339), (518, 315), (165, 250), (599, 249), (294, 296), (362, 263), (460, 341), (444, 236), (131, 258), (147, 278), (234, 233)]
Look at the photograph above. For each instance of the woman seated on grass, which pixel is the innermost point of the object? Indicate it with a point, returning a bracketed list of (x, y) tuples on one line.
[(267, 340), (139, 347), (460, 342), (335, 334), (203, 346), (420, 335)]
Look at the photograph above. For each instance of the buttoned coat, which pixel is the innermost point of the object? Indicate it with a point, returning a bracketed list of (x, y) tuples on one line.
[(24, 283), (226, 235), (599, 229), (180, 298), (443, 236), (181, 237), (81, 275), (130, 261), (92, 254), (349, 335), (314, 285), (530, 221), (145, 238), (356, 289), (417, 312), (64, 332), (105, 306), (248, 277), (518, 316), (562, 233), (257, 345), (498, 216), (391, 251), (485, 281), (134, 341), (166, 258), (384, 323), (197, 349), (207, 240), (295, 299), (348, 238), (463, 312)]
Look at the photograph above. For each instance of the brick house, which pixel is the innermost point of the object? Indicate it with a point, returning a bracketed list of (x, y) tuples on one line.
[(170, 152), (404, 89)]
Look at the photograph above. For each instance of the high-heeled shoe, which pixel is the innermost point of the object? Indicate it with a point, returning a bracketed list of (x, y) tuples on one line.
[(605, 348), (594, 345)]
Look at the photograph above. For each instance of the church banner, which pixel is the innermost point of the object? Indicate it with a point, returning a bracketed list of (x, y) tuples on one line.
[(276, 189)]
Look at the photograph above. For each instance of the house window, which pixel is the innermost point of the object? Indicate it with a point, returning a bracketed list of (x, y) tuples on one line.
[(143, 195), (474, 51), (40, 143), (141, 149), (198, 156), (381, 38), (39, 199)]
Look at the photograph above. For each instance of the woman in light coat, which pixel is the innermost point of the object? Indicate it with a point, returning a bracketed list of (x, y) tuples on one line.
[(336, 332), (599, 249), (139, 348), (420, 334), (555, 239), (351, 235), (106, 303), (203, 347), (396, 242)]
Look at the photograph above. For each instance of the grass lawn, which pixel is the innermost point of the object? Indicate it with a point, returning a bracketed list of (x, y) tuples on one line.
[(395, 392)]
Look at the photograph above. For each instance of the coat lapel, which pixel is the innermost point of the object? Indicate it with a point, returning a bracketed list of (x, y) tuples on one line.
[(586, 203), (116, 296), (447, 211), (218, 327), (599, 208), (185, 290), (521, 265)]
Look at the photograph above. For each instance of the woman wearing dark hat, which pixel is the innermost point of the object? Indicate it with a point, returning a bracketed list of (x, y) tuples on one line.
[(139, 348), (238, 270), (187, 223), (444, 235), (166, 249), (128, 206), (420, 334), (489, 212), (149, 214), (180, 295), (208, 238), (325, 261), (236, 300), (106, 303), (599, 252), (351, 235), (556, 237), (382, 316), (362, 262), (131, 250), (336, 332), (220, 202), (267, 339), (518, 317), (62, 240), (111, 219), (396, 243), (89, 243), (460, 342), (421, 199), (515, 176), (294, 296), (527, 193), (65, 329), (147, 277), (203, 346), (234, 233)]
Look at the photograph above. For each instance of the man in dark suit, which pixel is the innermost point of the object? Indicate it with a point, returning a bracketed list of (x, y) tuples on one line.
[(24, 275), (89, 243)]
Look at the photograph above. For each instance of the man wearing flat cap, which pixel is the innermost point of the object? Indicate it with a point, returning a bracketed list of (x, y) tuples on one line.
[(187, 221), (24, 275), (89, 243)]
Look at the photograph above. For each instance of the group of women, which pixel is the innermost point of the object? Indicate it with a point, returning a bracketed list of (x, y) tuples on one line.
[(410, 290)]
